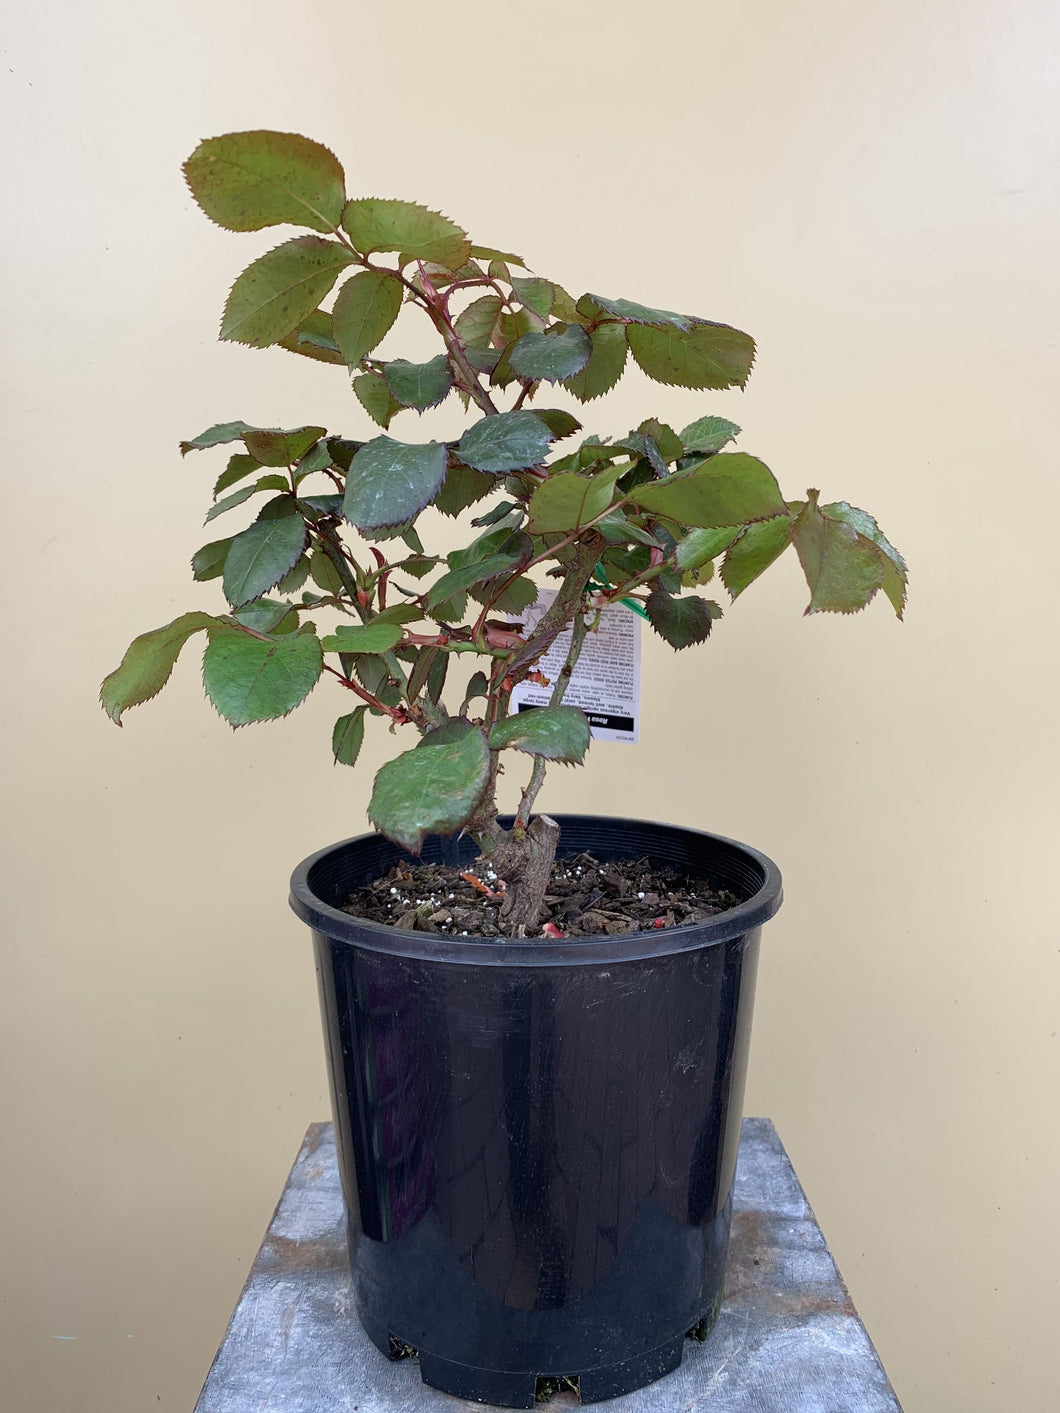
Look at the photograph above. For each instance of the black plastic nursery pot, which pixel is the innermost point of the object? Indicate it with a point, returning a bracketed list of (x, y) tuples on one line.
[(537, 1138)]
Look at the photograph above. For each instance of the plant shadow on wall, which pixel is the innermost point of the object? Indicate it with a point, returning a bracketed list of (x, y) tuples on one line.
[(536, 1132), (640, 519)]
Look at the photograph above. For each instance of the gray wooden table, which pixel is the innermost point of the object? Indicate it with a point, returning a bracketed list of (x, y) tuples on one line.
[(788, 1339)]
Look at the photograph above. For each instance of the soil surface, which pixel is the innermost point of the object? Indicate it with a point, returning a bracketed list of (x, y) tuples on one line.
[(586, 898)]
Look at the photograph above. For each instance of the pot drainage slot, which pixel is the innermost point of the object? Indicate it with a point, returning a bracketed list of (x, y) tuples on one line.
[(547, 1388), (400, 1350)]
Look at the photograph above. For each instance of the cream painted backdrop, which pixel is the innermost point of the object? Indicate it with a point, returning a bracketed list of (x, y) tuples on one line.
[(871, 189)]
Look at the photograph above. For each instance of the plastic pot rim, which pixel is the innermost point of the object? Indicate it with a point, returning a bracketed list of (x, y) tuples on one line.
[(340, 926)]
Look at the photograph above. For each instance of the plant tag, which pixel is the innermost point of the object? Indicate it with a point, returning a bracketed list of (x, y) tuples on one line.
[(606, 680)]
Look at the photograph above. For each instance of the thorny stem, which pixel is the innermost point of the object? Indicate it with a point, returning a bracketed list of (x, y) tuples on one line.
[(579, 628)]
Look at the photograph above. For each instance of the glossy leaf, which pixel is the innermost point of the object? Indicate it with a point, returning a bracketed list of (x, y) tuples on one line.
[(293, 580), (365, 310), (348, 736), (843, 569), (390, 482), (752, 554), (550, 357), (376, 398), (607, 359), (274, 294), (728, 489), (670, 445), (216, 436), (704, 356), (680, 621), (273, 446), (146, 667), (432, 789), (209, 562), (509, 441), (419, 385), (259, 679), (248, 180), (371, 637), (554, 732), (324, 574), (709, 434), (374, 225), (259, 558)]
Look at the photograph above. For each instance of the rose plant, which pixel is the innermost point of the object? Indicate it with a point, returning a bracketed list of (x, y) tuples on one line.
[(646, 518)]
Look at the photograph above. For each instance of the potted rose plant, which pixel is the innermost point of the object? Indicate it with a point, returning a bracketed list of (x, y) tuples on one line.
[(537, 1130)]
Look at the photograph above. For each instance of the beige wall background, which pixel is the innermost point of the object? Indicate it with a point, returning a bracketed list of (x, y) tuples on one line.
[(871, 189)]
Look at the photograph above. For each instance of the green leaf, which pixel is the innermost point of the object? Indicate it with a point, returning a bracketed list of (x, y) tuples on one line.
[(230, 502), (515, 597), (564, 502), (209, 562), (268, 616), (146, 667), (699, 546), (216, 436), (419, 385), (486, 252), (248, 180), (347, 737), (478, 686), (293, 580), (550, 357), (374, 225), (463, 487), (680, 621), (479, 323), (238, 466), (456, 581), (455, 729), (559, 422), (273, 446), (537, 294), (398, 613), (314, 338), (260, 557), (376, 398), (390, 482), (629, 311), (371, 637), (730, 488), (317, 458), (274, 294), (607, 359), (709, 434), (895, 574), (752, 554), (430, 790), (365, 310), (554, 732), (259, 679), (509, 441), (618, 530), (325, 575), (706, 356), (669, 444), (843, 569)]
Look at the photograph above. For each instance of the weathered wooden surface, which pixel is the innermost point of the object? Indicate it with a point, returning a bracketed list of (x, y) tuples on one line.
[(788, 1339)]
